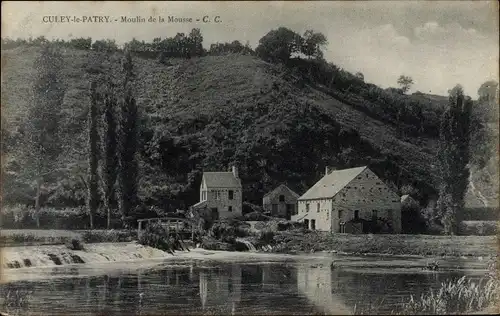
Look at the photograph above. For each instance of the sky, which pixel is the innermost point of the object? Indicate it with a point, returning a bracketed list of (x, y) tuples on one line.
[(438, 44)]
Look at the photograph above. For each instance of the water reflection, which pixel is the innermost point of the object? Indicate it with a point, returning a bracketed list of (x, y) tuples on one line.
[(270, 288), (221, 289), (321, 285)]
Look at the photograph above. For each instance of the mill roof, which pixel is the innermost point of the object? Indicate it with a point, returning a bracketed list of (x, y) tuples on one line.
[(281, 186), (332, 183), (221, 180)]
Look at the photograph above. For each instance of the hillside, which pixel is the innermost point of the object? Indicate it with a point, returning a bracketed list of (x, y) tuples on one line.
[(208, 113)]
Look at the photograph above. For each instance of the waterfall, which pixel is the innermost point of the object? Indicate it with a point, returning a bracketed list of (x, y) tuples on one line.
[(247, 243)]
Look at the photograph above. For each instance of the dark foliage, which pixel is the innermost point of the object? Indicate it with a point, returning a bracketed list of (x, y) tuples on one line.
[(93, 156), (75, 244), (128, 171), (454, 159), (155, 235), (234, 47)]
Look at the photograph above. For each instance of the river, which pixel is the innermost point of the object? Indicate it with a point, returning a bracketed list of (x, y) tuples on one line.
[(264, 285)]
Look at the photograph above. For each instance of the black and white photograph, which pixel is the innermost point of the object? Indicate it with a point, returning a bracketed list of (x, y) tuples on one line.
[(249, 158)]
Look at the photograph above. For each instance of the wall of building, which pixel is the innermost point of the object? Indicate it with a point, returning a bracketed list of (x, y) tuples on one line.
[(274, 198), (319, 210), (365, 194), (222, 204)]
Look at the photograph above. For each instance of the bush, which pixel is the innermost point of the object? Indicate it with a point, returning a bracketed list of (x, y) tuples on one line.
[(75, 244), (256, 216), (155, 235), (210, 243), (412, 221), (479, 228), (97, 236), (266, 237), (251, 208), (481, 214)]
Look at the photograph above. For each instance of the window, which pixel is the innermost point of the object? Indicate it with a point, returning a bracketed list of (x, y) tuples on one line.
[(229, 208), (356, 214), (217, 195), (231, 194), (374, 215), (341, 214), (317, 208), (306, 223), (204, 195), (282, 198), (307, 208)]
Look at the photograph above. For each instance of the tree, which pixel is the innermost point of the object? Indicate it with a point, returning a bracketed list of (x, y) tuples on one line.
[(196, 42), (81, 43), (109, 166), (93, 151), (127, 145), (40, 145), (488, 101), (453, 158), (488, 91), (278, 45), (360, 76), (105, 45), (127, 68), (313, 43), (405, 82)]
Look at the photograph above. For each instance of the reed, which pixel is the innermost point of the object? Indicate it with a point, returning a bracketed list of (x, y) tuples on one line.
[(455, 297), (458, 297)]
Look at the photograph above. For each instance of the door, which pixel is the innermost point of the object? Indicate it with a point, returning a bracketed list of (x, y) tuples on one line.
[(289, 211), (274, 209), (313, 224), (306, 223), (215, 214)]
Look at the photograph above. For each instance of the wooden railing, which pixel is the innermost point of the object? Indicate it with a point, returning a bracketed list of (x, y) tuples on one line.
[(173, 225)]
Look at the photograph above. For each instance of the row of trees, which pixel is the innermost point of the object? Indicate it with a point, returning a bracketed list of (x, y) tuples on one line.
[(179, 46), (117, 155), (42, 156)]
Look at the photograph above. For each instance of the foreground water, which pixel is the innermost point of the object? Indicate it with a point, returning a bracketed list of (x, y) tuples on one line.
[(195, 286)]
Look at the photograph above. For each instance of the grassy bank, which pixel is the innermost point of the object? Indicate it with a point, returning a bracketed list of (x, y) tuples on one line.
[(422, 245)]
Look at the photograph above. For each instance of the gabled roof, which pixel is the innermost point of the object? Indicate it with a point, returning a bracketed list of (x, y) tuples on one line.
[(332, 183), (280, 186), (221, 180), (199, 204)]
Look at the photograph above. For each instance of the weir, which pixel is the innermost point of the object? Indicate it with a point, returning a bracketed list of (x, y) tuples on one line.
[(57, 255)]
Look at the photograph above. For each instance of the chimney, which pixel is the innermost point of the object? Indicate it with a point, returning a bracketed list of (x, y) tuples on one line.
[(328, 170), (234, 169)]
